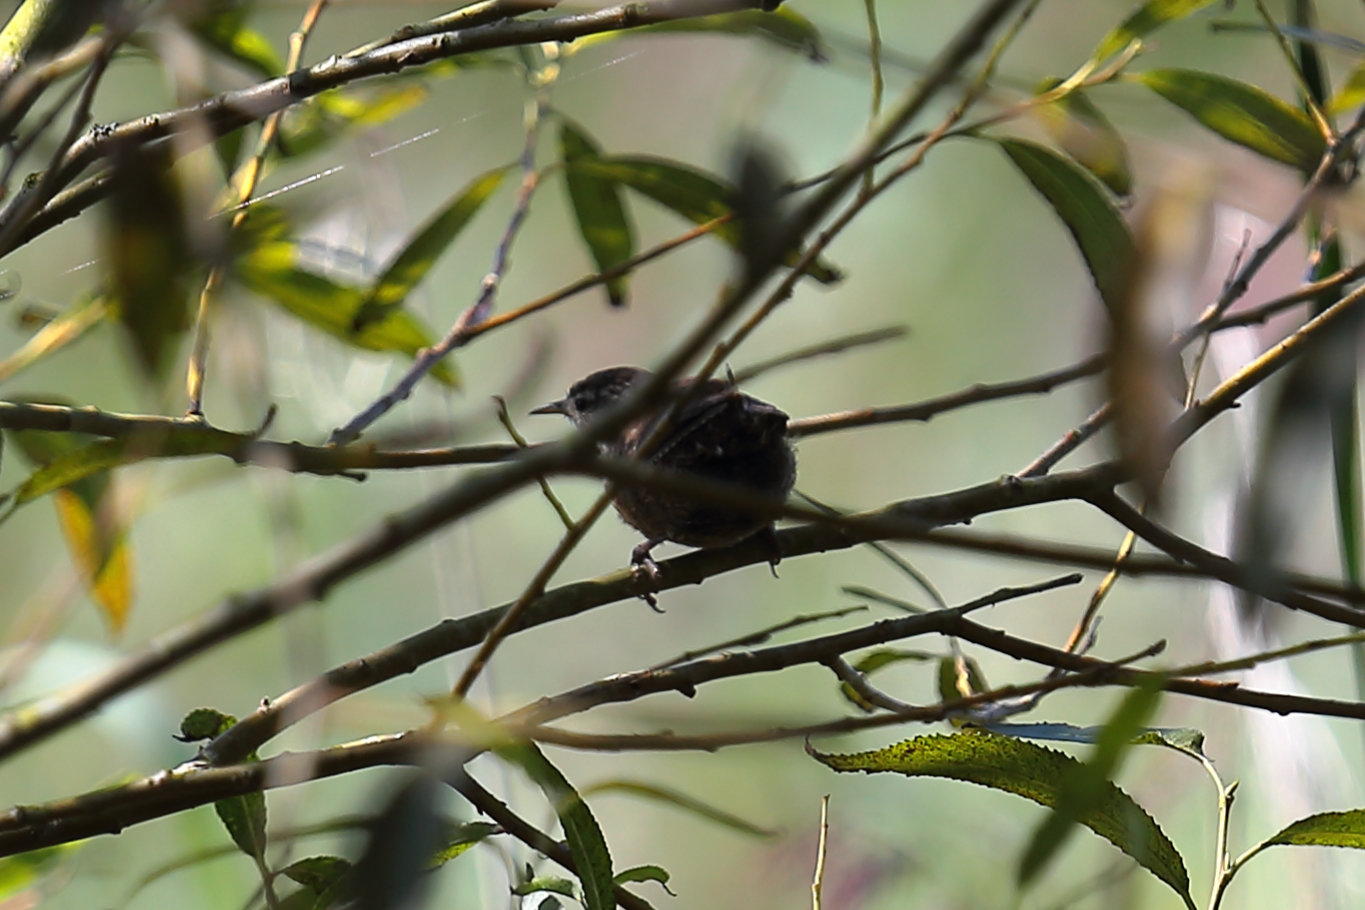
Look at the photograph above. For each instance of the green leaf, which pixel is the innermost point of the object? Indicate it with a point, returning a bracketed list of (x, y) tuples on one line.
[(876, 660), (21, 870), (57, 334), (1082, 131), (643, 874), (1326, 829), (244, 817), (581, 831), (950, 686), (553, 884), (222, 26), (205, 723), (84, 500), (784, 27), (1352, 92), (412, 262), (598, 209), (1033, 772), (1085, 787), (1242, 113), (688, 192), (1087, 211), (317, 873), (273, 271), (1147, 18), (460, 838), (318, 122)]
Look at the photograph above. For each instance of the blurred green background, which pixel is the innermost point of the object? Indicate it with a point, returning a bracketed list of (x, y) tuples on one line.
[(962, 251)]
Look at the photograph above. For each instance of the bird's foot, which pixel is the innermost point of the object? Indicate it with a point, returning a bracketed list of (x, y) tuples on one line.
[(643, 565)]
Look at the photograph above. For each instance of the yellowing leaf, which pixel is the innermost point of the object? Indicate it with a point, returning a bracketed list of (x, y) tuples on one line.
[(99, 549)]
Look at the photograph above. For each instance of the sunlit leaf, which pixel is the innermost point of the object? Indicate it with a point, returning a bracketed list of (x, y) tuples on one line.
[(23, 870), (598, 209), (316, 123), (273, 271), (416, 257), (1147, 18), (1086, 209), (1033, 772), (54, 336), (1327, 829), (1352, 92), (1242, 113), (223, 27), (459, 838)]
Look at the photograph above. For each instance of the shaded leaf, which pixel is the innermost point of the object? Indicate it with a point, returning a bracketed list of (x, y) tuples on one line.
[(688, 192), (870, 663), (1033, 772), (223, 27), (273, 271), (149, 254), (1147, 18), (1326, 829), (1086, 786), (643, 874), (598, 209), (22, 870), (1182, 738), (552, 883), (245, 818), (960, 678), (1082, 131), (581, 831), (205, 723), (394, 869), (1086, 209), (1243, 114), (416, 257)]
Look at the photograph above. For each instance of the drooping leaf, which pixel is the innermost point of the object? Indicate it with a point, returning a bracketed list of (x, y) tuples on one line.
[(150, 256), (416, 257), (326, 882), (1242, 113), (1082, 131), (1147, 18), (1087, 786), (244, 817), (273, 271), (644, 874), (1086, 209), (581, 831), (598, 209), (85, 502), (1033, 772), (784, 27), (688, 192), (1326, 829)]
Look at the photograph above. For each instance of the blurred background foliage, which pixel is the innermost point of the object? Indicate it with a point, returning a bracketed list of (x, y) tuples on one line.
[(963, 252)]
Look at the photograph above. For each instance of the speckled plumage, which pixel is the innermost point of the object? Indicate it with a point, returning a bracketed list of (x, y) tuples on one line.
[(721, 435)]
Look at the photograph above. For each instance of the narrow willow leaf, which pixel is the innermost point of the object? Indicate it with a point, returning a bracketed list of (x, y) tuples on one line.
[(322, 120), (681, 801), (1086, 786), (1242, 113), (690, 193), (460, 838), (1086, 209), (273, 271), (222, 26), (412, 262), (1327, 829), (54, 336), (784, 27), (643, 874), (581, 831), (1082, 131), (1352, 92), (1147, 18), (97, 540), (553, 884), (598, 209), (1033, 772), (317, 872)]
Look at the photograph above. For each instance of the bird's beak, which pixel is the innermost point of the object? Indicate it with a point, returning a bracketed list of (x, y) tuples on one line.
[(554, 407)]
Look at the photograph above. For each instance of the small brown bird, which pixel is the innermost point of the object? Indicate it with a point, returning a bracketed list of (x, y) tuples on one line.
[(720, 434)]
